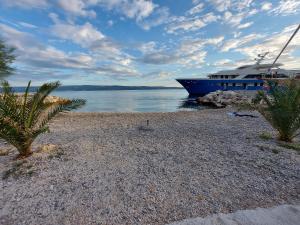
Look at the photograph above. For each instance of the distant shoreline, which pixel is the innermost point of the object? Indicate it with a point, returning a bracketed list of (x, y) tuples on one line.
[(100, 88)]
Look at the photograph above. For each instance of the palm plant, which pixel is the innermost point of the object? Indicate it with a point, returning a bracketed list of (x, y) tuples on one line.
[(280, 106), (24, 117)]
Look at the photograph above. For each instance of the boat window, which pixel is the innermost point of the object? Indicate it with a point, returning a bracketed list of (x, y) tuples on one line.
[(261, 84), (226, 77), (244, 85), (255, 84), (222, 76), (233, 84)]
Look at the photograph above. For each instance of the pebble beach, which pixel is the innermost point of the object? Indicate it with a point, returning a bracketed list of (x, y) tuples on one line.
[(147, 168)]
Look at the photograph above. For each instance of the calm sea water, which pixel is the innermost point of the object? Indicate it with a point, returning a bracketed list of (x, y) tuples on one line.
[(170, 100)]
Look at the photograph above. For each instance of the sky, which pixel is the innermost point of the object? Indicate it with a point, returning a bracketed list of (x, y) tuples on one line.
[(143, 42)]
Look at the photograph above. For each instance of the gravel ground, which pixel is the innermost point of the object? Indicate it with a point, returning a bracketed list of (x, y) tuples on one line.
[(112, 168)]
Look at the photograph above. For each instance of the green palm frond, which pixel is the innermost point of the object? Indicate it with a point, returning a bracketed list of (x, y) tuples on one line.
[(36, 103), (24, 117), (281, 107)]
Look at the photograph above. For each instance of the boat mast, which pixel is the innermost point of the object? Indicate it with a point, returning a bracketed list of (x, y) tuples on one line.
[(291, 38)]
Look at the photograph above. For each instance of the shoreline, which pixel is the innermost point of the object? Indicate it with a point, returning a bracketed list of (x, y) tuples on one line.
[(113, 168)]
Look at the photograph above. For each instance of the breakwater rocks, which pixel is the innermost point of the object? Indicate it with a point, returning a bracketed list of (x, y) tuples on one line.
[(48, 99), (221, 99)]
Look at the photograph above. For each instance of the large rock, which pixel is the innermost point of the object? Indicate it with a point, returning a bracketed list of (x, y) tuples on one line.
[(48, 99), (280, 215), (221, 99)]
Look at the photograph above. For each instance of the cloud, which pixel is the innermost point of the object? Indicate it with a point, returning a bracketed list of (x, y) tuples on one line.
[(147, 47), (224, 63), (273, 44), (233, 19), (159, 58), (32, 52), (88, 37), (114, 70), (196, 9), (266, 6), (138, 9), (187, 24), (232, 44), (27, 25), (38, 56), (287, 7), (189, 53), (134, 9), (158, 17), (76, 7), (235, 5), (221, 5), (83, 35), (26, 4), (245, 25)]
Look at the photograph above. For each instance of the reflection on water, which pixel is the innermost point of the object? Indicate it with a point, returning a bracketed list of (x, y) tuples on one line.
[(133, 100), (190, 103)]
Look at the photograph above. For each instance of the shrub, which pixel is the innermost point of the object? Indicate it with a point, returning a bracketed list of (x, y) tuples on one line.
[(24, 117), (265, 136), (280, 106)]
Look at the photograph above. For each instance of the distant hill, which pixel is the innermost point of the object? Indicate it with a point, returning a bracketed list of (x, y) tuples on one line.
[(99, 88)]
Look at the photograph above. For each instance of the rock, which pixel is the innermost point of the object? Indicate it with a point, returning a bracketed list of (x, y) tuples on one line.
[(221, 99), (283, 214), (48, 99)]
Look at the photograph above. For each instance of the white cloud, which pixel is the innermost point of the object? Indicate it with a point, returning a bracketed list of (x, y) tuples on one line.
[(287, 7), (235, 5), (195, 2), (134, 9), (273, 44), (84, 35), (32, 52), (27, 25), (223, 63), (196, 9), (148, 47), (266, 6), (26, 4), (76, 7), (235, 43), (221, 5), (189, 53), (233, 19), (138, 9), (38, 56), (186, 24), (245, 25), (158, 17)]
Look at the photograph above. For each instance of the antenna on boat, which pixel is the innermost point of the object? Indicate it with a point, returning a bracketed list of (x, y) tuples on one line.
[(291, 38), (260, 57)]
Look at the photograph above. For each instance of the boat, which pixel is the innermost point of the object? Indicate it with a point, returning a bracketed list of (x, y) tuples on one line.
[(243, 78)]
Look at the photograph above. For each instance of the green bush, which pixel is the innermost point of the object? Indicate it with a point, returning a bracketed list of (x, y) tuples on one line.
[(280, 106), (24, 117)]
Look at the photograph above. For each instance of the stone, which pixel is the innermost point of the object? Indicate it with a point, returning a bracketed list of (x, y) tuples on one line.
[(284, 214), (221, 99)]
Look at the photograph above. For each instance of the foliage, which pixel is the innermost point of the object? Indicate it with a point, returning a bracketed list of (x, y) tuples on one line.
[(6, 58), (24, 117), (280, 106), (294, 146), (265, 136)]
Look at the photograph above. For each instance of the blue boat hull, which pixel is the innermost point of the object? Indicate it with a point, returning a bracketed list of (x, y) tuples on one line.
[(201, 87)]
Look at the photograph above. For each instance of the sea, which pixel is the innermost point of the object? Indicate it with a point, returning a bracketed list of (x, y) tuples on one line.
[(162, 100)]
